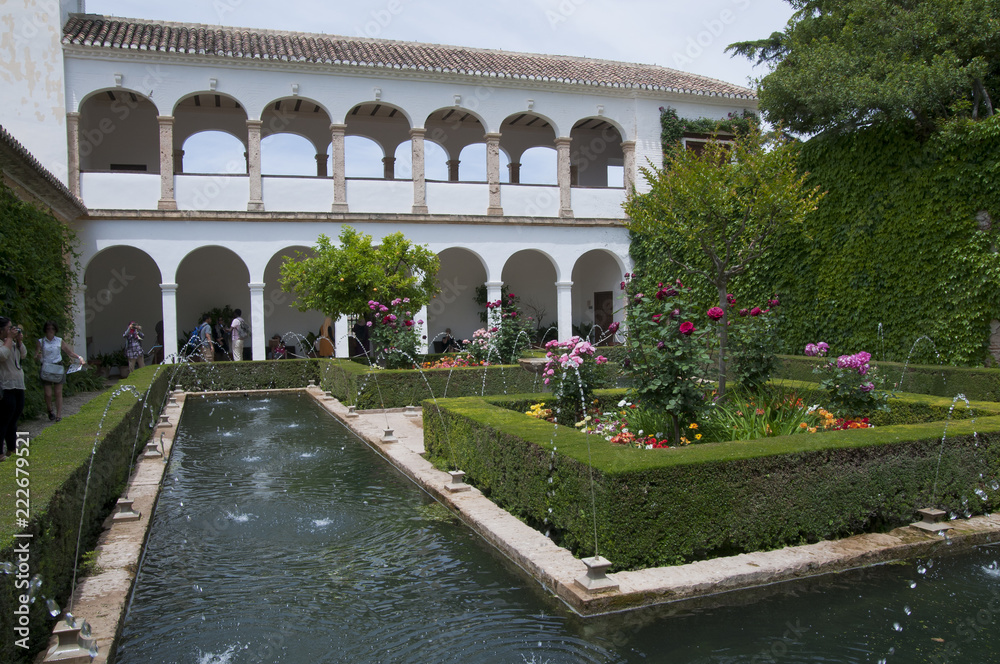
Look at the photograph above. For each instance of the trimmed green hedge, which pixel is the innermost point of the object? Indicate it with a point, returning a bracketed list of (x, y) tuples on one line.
[(360, 386), (266, 375), (58, 464), (943, 381), (664, 507)]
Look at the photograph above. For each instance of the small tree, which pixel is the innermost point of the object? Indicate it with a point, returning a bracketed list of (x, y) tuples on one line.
[(720, 211), (341, 280)]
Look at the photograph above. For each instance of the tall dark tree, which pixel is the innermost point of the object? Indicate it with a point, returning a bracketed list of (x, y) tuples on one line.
[(845, 64)]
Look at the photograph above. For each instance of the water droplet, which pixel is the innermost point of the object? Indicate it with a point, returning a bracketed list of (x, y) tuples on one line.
[(907, 610), (897, 627), (188, 517), (92, 648), (53, 608), (85, 629), (33, 587), (69, 619), (6, 568), (921, 570), (913, 584)]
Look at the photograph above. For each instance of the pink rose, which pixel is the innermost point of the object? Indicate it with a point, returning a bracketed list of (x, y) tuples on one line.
[(755, 311), (715, 313), (687, 327)]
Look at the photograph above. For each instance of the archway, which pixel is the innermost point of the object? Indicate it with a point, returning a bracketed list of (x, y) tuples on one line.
[(531, 275), (210, 278), (280, 317), (123, 284), (460, 273), (597, 295), (119, 132)]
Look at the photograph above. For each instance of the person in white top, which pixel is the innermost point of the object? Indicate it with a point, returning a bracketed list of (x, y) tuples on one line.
[(49, 352)]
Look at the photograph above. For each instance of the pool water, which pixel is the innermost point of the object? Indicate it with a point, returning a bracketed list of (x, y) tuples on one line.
[(281, 537)]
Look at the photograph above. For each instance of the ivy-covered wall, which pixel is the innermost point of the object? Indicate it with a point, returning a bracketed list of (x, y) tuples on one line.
[(906, 236)]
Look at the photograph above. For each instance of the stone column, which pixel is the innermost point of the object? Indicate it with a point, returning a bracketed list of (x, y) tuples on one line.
[(167, 201), (321, 165), (628, 151), (168, 300), (493, 173), (419, 179), (80, 320), (341, 329), (256, 203), (452, 170), (422, 343), (515, 172), (73, 154), (562, 171), (178, 161), (339, 168), (257, 336), (493, 293), (389, 168), (564, 308)]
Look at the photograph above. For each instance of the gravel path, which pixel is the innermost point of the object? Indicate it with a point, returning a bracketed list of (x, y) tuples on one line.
[(71, 406)]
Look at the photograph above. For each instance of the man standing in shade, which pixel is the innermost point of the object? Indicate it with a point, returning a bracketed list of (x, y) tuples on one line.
[(240, 331)]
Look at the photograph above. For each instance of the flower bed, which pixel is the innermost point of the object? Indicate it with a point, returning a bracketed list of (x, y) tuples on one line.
[(669, 506)]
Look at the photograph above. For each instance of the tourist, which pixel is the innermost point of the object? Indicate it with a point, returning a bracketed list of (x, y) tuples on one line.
[(133, 346), (205, 339), (448, 342), (239, 331), (53, 374), (12, 354)]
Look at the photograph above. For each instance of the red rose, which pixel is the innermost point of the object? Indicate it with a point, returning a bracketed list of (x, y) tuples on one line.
[(715, 313), (687, 327)]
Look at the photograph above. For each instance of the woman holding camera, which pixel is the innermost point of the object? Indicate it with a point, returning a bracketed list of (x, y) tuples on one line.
[(133, 346), (53, 374), (12, 354)]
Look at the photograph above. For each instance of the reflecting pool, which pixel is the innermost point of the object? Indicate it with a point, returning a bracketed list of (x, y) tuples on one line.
[(281, 537)]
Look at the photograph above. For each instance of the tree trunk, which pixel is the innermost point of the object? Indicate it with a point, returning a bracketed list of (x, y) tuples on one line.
[(723, 337)]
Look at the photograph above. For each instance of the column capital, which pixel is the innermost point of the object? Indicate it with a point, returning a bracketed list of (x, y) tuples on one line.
[(417, 131), (492, 136), (628, 145), (564, 285), (255, 124), (563, 141), (168, 288), (165, 119), (338, 128), (73, 115), (256, 286), (493, 284)]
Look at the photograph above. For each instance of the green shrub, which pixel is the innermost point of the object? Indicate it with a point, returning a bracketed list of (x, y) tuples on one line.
[(662, 507)]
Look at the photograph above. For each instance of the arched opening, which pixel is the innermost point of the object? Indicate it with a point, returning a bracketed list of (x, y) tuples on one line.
[(385, 125), (211, 279), (522, 135), (119, 132), (123, 284), (597, 296), (454, 129), (460, 273), (294, 134), (531, 276), (209, 113), (280, 317), (596, 155)]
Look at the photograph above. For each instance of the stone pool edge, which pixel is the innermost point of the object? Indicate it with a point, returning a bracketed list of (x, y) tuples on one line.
[(557, 570)]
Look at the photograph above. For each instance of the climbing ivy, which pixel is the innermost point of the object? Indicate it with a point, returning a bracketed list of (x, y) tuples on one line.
[(673, 127), (907, 236), (37, 266)]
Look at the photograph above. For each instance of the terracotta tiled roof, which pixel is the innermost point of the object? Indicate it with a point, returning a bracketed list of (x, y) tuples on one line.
[(20, 164), (243, 43)]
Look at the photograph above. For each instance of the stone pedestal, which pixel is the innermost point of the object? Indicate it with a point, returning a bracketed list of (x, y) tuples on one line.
[(596, 580)]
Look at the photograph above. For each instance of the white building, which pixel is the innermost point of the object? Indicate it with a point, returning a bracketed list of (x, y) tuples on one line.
[(512, 167)]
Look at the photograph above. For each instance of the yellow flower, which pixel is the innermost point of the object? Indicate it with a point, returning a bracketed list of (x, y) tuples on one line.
[(811, 429), (693, 425), (803, 425), (697, 436)]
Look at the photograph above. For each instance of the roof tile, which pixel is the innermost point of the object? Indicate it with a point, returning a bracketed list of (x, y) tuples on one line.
[(242, 43)]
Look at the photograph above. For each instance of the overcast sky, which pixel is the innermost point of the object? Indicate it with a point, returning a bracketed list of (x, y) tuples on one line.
[(687, 35)]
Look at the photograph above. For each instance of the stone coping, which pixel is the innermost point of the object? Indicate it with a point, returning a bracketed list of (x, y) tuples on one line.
[(101, 598)]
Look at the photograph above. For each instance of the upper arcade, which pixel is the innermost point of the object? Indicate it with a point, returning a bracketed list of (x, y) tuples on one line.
[(192, 117)]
